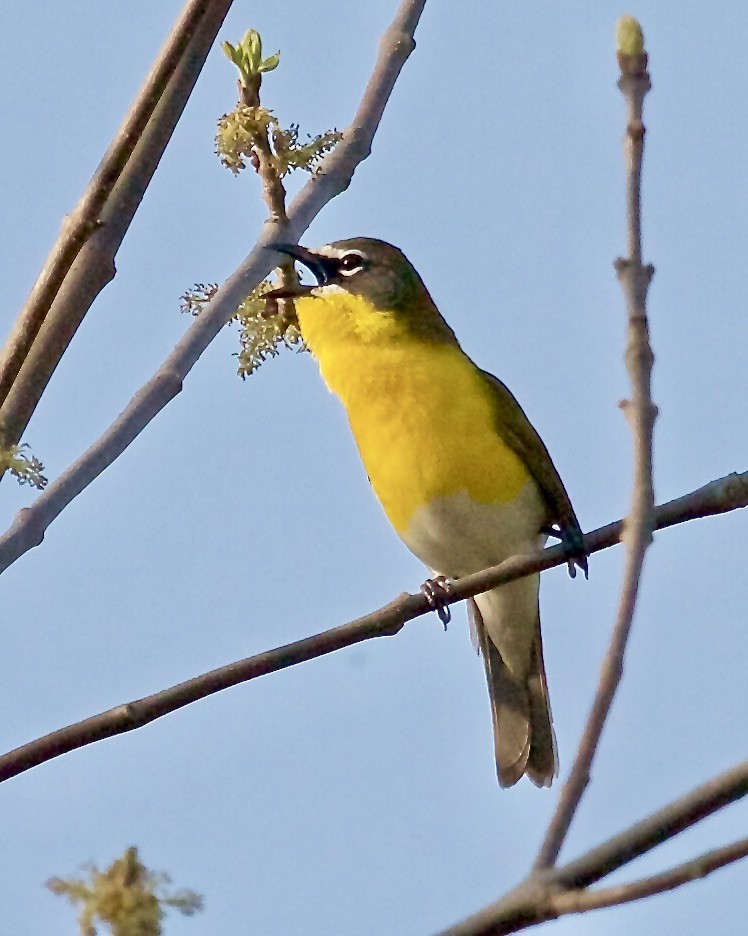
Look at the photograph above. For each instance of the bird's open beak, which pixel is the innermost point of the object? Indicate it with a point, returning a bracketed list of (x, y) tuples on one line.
[(321, 268)]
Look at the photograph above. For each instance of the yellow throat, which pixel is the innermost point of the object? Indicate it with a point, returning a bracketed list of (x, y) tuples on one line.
[(421, 414)]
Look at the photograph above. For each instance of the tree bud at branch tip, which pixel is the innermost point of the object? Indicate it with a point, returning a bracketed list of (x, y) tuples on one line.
[(629, 36)]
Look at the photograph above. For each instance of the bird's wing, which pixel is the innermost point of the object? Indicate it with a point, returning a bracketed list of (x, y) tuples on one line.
[(518, 433)]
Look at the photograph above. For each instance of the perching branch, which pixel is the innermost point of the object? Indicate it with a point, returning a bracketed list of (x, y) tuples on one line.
[(717, 497), (81, 262), (641, 412), (333, 177)]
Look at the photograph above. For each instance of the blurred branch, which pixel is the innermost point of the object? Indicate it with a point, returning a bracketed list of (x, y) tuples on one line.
[(719, 496), (81, 262), (579, 901), (552, 892), (637, 531), (333, 177)]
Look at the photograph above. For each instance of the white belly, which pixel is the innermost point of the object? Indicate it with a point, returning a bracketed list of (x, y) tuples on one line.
[(456, 535)]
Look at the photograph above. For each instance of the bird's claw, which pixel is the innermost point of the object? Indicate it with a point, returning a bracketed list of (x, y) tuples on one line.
[(437, 591), (571, 540)]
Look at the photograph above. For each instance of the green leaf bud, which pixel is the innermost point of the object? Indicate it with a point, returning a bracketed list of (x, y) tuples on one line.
[(629, 36)]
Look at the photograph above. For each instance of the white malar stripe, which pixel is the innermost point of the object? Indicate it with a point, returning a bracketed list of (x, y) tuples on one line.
[(329, 289)]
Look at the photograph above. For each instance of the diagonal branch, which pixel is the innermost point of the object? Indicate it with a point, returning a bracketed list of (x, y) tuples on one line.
[(81, 262), (657, 828), (716, 497), (641, 412), (332, 178), (580, 901), (553, 892)]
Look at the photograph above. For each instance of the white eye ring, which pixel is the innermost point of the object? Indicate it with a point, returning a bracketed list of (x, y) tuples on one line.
[(351, 263)]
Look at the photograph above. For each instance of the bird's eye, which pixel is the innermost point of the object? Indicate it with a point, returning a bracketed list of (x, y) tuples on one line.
[(350, 263)]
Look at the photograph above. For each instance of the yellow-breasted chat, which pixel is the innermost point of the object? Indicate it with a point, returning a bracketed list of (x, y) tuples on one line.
[(461, 473)]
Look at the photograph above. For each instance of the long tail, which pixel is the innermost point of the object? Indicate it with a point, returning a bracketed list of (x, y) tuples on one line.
[(522, 723)]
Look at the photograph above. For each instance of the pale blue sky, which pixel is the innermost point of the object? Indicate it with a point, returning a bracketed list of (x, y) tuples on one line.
[(356, 794)]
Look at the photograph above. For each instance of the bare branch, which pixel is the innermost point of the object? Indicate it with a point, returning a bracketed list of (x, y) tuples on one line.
[(657, 828), (580, 901), (641, 412), (333, 177), (543, 895), (717, 497), (550, 891), (81, 262)]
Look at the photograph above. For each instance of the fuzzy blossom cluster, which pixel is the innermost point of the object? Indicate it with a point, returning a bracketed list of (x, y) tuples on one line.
[(127, 898), (263, 330), (251, 134), (250, 128), (289, 154), (239, 133), (25, 468), (263, 334), (244, 128)]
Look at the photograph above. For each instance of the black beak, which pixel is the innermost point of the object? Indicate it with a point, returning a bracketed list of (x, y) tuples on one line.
[(323, 269)]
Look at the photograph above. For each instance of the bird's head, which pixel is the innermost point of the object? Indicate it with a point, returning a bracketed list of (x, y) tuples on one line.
[(370, 286)]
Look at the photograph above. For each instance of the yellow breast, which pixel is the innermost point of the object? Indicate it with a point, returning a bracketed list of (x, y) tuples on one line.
[(420, 412)]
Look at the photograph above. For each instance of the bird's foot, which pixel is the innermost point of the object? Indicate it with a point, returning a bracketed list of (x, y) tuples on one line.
[(575, 541), (437, 591)]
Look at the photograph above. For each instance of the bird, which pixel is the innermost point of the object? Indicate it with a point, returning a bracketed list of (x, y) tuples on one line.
[(462, 475)]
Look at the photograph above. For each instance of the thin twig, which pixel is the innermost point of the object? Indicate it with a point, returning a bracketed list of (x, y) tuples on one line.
[(661, 826), (273, 194), (641, 412), (332, 178), (81, 262), (717, 497), (580, 901), (541, 896)]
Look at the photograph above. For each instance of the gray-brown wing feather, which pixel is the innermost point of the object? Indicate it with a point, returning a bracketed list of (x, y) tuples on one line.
[(519, 434)]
